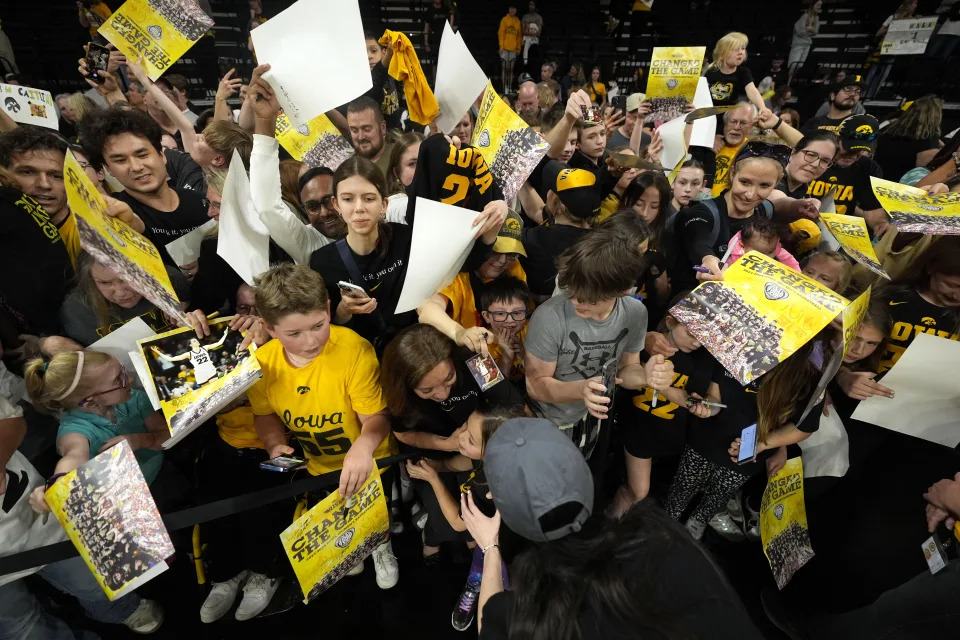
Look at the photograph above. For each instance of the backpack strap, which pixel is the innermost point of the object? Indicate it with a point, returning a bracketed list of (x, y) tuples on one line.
[(715, 212), (348, 261)]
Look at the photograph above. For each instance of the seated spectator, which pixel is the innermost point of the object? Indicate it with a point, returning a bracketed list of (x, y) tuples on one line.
[(912, 140), (842, 102), (738, 126)]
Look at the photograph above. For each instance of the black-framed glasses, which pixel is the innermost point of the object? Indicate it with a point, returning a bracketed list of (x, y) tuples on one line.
[(317, 206), (247, 309), (121, 380), (852, 89), (500, 316), (756, 149), (813, 157)]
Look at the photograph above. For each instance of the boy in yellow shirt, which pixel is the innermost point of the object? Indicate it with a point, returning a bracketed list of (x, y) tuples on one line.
[(321, 382), (510, 38)]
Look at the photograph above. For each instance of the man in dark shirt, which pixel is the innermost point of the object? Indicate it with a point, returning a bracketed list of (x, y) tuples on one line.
[(127, 143), (436, 15), (844, 96)]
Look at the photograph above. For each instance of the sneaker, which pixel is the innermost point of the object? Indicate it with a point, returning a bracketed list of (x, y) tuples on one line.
[(221, 598), (257, 594), (723, 524), (466, 609), (146, 618), (385, 564), (418, 516), (356, 570), (696, 528), (752, 526), (734, 508)]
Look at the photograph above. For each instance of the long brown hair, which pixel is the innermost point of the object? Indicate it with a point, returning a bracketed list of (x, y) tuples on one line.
[(412, 354), (89, 292), (941, 257), (289, 187), (400, 147), (790, 381), (357, 165), (878, 317), (920, 122)]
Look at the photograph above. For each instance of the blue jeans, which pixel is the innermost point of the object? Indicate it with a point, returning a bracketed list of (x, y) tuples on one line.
[(22, 617)]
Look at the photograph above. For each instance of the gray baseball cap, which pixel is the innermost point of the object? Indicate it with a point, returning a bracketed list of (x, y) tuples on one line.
[(533, 468)]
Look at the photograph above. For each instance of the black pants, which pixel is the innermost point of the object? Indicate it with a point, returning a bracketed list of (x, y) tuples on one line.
[(250, 539), (438, 530)]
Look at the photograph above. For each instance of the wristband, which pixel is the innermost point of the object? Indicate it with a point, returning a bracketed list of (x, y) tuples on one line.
[(489, 546), (779, 122), (956, 161)]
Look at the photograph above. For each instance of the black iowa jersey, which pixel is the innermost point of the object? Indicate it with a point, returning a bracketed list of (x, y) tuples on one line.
[(912, 315), (849, 186)]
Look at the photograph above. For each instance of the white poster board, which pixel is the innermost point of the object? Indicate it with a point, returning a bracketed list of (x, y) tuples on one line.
[(926, 402), (460, 80), (29, 106), (121, 342), (908, 37), (317, 57), (186, 249), (242, 241)]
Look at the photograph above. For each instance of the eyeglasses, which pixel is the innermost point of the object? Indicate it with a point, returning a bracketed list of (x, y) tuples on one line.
[(500, 316), (317, 206), (505, 257), (755, 149), (815, 158), (739, 124), (852, 89), (247, 309), (121, 380)]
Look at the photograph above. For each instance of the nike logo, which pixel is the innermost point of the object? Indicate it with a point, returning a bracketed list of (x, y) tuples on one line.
[(375, 287), (893, 304), (749, 390), (16, 487)]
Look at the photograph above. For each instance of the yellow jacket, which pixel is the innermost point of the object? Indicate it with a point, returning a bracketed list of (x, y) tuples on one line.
[(405, 66), (510, 33)]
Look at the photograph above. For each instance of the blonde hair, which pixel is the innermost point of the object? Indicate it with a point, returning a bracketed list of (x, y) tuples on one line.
[(82, 105), (216, 179), (726, 45), (846, 269), (287, 289), (47, 382), (224, 136)]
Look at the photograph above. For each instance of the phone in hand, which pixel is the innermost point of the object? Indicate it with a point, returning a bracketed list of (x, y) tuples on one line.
[(352, 290), (224, 65), (620, 104), (98, 57), (748, 444), (283, 464)]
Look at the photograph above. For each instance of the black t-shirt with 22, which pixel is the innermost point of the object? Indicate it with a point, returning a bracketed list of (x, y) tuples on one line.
[(163, 227), (727, 88), (850, 186)]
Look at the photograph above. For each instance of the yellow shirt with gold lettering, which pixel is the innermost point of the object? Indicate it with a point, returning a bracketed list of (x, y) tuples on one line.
[(721, 176), (319, 403), (462, 305)]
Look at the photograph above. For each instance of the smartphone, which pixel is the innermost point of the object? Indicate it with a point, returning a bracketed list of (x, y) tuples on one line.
[(620, 103), (609, 374), (98, 57), (224, 65), (748, 444), (352, 290), (283, 464)]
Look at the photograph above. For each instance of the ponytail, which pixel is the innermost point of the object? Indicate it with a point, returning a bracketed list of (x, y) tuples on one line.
[(56, 384)]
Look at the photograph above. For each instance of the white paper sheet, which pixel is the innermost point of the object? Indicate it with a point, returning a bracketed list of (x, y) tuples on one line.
[(317, 56), (927, 393), (186, 249), (29, 106), (442, 238), (705, 129), (460, 80), (121, 342), (242, 241), (827, 451), (674, 149), (144, 374)]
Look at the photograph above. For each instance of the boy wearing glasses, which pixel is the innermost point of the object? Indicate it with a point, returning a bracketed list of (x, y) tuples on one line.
[(505, 306)]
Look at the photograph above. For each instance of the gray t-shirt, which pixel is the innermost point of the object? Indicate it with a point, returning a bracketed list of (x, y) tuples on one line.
[(581, 347), (619, 140)]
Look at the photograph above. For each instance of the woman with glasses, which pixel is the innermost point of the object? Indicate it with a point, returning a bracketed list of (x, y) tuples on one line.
[(813, 155)]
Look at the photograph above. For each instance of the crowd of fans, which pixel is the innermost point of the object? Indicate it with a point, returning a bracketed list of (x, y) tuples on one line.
[(572, 287)]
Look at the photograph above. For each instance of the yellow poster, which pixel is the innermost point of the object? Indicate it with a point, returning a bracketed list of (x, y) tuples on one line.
[(317, 143), (511, 148), (672, 83), (159, 30), (107, 511), (760, 313), (783, 523), (852, 234), (194, 378), (116, 245), (913, 210), (336, 534)]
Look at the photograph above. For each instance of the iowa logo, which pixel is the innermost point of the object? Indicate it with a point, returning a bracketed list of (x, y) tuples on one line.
[(672, 83), (865, 129), (773, 291), (344, 540), (930, 322), (721, 91), (484, 139), (513, 224), (778, 512), (302, 390), (155, 32)]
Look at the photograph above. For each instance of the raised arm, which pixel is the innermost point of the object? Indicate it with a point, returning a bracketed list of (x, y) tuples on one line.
[(434, 313), (227, 87), (557, 137), (789, 135)]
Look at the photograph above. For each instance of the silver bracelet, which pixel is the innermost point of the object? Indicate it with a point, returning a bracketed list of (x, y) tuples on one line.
[(489, 546)]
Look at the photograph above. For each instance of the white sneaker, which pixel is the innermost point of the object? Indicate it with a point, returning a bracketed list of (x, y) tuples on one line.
[(734, 508), (356, 570), (723, 524), (221, 598), (385, 564), (257, 594), (696, 528), (146, 618)]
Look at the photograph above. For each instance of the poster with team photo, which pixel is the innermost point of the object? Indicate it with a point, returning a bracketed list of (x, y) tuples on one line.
[(106, 509), (194, 378), (913, 210), (159, 30), (510, 146), (783, 523), (29, 106), (336, 534), (852, 234), (758, 315), (672, 83), (317, 143)]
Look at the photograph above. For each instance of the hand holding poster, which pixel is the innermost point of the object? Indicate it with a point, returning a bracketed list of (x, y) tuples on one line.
[(108, 513), (510, 146), (159, 30), (193, 379), (672, 83), (852, 234), (29, 106), (243, 242), (759, 314), (336, 534), (317, 143), (783, 523), (116, 245), (912, 209), (909, 36)]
